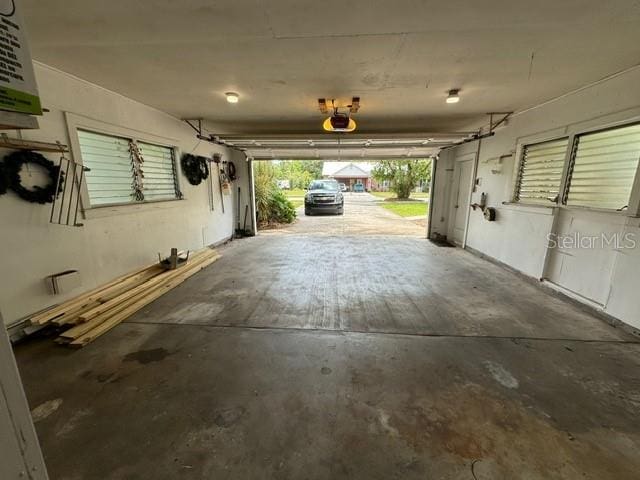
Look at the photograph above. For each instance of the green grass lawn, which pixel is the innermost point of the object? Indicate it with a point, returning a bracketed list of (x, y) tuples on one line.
[(297, 202), (393, 195), (406, 209), (294, 192)]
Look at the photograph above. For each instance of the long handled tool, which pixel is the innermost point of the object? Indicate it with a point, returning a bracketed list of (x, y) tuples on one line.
[(210, 185), (216, 159), (238, 229)]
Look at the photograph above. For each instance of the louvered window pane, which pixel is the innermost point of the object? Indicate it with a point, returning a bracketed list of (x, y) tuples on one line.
[(110, 179), (604, 168), (540, 172), (158, 168)]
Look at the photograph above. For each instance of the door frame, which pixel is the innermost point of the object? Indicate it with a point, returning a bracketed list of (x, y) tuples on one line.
[(472, 189), (24, 460), (432, 188), (455, 193)]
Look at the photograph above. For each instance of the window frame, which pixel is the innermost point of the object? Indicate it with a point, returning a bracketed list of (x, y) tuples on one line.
[(573, 137), (77, 122), (632, 209), (519, 170)]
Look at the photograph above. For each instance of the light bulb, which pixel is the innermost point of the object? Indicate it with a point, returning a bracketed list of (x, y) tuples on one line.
[(453, 96)]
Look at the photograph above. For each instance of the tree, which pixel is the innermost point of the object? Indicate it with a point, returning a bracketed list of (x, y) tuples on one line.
[(403, 175), (299, 172)]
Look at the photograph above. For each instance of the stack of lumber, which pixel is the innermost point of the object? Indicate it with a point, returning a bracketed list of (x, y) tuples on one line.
[(96, 312)]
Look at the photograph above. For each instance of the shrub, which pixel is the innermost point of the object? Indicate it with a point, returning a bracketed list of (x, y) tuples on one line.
[(272, 205)]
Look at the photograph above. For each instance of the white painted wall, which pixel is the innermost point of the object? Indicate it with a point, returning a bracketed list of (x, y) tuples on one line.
[(605, 277), (114, 240)]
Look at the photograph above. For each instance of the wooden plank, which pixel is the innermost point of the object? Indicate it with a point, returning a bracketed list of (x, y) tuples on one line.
[(93, 317), (72, 317), (74, 309), (73, 314), (60, 309), (112, 302), (141, 303)]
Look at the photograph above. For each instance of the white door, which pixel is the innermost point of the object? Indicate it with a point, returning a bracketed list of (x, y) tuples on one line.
[(461, 200)]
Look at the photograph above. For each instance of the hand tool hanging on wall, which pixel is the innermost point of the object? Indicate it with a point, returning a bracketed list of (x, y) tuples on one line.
[(210, 185), (226, 181), (244, 224), (238, 229), (217, 159)]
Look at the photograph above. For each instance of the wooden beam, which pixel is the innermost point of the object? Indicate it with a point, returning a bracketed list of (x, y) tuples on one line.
[(87, 300), (95, 316), (141, 302)]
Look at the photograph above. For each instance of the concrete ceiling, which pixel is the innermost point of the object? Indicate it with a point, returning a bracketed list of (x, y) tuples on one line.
[(400, 57)]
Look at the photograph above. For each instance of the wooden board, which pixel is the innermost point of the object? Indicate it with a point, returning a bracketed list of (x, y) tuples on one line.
[(140, 303), (72, 315), (116, 300), (58, 310), (94, 317)]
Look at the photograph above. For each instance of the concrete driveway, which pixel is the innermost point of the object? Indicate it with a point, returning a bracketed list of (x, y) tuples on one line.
[(362, 216)]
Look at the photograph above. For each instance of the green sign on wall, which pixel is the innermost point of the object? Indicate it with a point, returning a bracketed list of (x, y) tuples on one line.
[(18, 88)]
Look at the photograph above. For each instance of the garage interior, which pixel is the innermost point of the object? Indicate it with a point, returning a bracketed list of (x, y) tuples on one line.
[(502, 343)]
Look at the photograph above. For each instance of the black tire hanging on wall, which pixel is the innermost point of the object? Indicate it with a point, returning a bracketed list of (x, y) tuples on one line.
[(195, 168), (13, 164)]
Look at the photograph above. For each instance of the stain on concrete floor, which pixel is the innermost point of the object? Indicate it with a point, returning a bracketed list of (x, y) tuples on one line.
[(159, 399), (147, 356)]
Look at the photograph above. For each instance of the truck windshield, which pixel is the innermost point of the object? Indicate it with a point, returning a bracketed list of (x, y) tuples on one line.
[(323, 186)]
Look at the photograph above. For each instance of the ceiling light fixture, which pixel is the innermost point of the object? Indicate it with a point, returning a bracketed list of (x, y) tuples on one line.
[(232, 97), (339, 122), (454, 96)]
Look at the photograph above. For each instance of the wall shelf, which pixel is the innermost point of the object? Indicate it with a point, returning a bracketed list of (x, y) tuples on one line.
[(20, 144)]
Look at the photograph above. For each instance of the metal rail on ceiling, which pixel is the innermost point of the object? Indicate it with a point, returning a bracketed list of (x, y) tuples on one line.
[(353, 146), (315, 146)]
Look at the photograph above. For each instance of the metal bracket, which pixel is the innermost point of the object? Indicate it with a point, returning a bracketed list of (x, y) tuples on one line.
[(196, 124), (493, 125), (198, 128)]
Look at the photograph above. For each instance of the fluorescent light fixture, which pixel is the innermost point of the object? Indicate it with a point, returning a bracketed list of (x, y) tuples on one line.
[(454, 96), (232, 97)]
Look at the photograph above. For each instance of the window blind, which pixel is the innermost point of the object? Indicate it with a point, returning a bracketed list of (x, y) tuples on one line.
[(540, 173), (110, 179), (123, 170), (159, 174), (604, 168)]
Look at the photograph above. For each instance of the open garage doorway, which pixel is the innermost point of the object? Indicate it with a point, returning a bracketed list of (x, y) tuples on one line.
[(305, 198), (343, 184)]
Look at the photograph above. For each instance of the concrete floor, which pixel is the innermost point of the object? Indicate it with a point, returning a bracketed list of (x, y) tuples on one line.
[(362, 216), (306, 357)]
